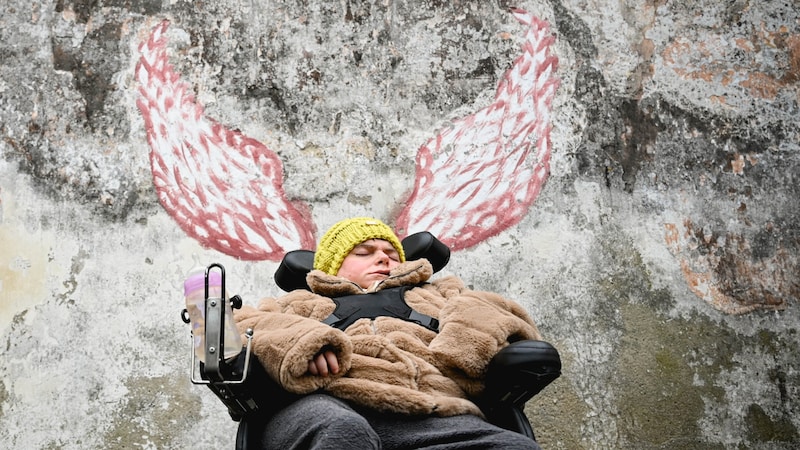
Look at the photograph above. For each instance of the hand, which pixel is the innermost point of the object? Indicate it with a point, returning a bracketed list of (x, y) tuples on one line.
[(324, 363)]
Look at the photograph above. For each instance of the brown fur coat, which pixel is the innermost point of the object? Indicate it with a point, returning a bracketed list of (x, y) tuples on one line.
[(389, 364)]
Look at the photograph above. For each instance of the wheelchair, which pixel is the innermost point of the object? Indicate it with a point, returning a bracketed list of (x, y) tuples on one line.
[(515, 374)]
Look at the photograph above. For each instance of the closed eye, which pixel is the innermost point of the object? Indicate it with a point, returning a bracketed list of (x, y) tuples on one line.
[(369, 249)]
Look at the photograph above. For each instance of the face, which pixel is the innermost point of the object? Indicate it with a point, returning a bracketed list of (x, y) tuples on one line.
[(368, 262)]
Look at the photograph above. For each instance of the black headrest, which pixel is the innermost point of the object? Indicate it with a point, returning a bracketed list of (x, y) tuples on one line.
[(292, 271), (425, 245)]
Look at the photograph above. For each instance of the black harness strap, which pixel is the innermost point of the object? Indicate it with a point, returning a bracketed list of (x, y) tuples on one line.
[(385, 303)]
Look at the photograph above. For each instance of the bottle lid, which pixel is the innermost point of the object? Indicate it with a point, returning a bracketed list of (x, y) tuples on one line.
[(197, 280)]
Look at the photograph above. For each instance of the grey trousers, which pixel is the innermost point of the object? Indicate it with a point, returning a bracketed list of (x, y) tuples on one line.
[(320, 421)]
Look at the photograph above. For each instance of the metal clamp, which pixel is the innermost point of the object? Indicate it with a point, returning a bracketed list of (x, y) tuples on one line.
[(222, 380)]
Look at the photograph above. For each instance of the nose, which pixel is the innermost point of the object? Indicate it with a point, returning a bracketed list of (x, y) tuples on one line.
[(383, 258)]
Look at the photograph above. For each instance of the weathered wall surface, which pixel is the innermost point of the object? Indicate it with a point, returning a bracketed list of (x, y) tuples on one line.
[(661, 255)]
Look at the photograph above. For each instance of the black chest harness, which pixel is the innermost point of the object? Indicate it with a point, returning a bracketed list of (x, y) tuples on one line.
[(385, 303)]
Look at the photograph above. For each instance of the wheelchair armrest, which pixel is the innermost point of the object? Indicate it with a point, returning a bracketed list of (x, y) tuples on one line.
[(520, 371), (259, 397)]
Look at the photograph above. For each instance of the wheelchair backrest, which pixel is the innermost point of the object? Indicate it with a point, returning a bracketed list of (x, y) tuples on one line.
[(292, 271)]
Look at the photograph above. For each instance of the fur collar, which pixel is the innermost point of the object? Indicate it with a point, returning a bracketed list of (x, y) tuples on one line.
[(408, 273)]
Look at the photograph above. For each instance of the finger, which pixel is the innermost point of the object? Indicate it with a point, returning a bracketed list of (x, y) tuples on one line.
[(333, 362), (312, 367), (322, 364)]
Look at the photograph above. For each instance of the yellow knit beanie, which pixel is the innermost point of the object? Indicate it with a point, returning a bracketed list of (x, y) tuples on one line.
[(343, 236)]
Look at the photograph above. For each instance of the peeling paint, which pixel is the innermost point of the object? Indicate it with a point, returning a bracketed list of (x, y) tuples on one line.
[(769, 60), (724, 270)]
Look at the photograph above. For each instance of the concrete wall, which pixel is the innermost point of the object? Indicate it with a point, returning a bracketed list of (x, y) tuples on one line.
[(660, 255)]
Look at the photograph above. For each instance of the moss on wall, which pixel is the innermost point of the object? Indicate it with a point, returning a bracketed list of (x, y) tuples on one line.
[(673, 374), (154, 410), (556, 414), (660, 392)]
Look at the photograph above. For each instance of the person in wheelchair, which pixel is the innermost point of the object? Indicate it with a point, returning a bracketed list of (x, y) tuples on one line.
[(381, 355)]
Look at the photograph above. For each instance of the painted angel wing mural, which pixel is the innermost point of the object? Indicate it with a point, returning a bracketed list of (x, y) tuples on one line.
[(479, 176), (223, 188), (475, 178)]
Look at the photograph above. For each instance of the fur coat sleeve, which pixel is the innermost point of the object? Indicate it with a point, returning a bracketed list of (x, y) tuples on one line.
[(474, 326), (287, 335)]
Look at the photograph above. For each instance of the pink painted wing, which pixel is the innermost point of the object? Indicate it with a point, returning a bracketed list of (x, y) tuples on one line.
[(480, 175), (222, 188)]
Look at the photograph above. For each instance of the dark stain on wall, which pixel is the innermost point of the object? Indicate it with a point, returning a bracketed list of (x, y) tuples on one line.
[(84, 9), (625, 137), (93, 66), (604, 123), (763, 428), (79, 101), (372, 45), (638, 141)]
